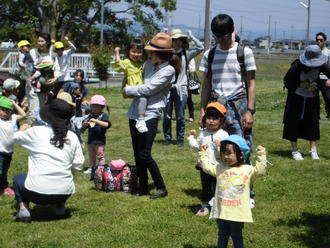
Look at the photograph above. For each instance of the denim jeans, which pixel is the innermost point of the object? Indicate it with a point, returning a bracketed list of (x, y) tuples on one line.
[(5, 160), (231, 229), (179, 106), (142, 144)]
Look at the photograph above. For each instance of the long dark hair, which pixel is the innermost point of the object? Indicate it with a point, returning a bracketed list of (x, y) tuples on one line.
[(174, 60), (59, 137), (46, 37)]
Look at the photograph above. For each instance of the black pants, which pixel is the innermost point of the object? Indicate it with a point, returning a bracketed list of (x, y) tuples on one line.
[(5, 159), (142, 144), (190, 106), (325, 90), (226, 229), (208, 186)]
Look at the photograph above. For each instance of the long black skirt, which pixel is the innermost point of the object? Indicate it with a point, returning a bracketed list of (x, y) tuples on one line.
[(301, 118)]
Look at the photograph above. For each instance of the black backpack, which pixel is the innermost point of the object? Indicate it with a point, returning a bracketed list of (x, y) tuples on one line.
[(240, 59)]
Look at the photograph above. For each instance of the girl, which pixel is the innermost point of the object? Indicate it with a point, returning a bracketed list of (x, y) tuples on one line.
[(212, 136), (97, 123), (132, 68), (159, 72), (8, 125), (302, 108), (231, 205)]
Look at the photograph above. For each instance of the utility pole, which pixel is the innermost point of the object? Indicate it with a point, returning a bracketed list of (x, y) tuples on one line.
[(308, 20), (102, 22), (199, 27), (207, 25), (275, 30), (241, 31), (269, 20)]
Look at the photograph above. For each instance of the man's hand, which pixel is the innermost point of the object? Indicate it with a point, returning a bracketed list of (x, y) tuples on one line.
[(248, 120)]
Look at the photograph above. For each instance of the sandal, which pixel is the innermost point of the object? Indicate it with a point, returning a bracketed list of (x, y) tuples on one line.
[(203, 211)]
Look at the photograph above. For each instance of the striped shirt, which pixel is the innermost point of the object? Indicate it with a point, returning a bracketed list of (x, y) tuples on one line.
[(226, 71)]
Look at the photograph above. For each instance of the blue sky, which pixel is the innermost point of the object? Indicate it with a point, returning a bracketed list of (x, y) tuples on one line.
[(288, 17)]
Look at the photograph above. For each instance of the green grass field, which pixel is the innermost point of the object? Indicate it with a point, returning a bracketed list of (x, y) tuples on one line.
[(292, 201)]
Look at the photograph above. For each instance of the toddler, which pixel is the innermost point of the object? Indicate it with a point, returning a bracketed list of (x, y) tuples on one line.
[(7, 128), (211, 135), (231, 205), (97, 124), (132, 68), (25, 60)]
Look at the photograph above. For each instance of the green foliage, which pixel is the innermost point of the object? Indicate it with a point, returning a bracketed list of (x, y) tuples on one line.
[(101, 57), (292, 200)]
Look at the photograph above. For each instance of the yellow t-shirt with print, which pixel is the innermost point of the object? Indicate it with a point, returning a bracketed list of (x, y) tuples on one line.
[(132, 71)]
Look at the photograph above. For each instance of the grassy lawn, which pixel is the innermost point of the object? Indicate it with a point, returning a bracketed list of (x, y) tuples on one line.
[(292, 201)]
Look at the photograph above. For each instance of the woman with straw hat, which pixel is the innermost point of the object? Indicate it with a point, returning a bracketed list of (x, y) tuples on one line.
[(159, 73), (302, 109)]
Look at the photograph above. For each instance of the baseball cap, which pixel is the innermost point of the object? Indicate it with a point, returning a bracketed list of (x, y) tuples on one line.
[(6, 103), (10, 84)]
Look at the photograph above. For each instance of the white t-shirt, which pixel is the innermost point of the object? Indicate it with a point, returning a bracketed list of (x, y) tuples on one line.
[(63, 62), (226, 71), (326, 52), (7, 129), (50, 167)]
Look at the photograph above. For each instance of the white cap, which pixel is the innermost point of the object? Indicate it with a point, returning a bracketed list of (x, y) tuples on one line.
[(10, 84)]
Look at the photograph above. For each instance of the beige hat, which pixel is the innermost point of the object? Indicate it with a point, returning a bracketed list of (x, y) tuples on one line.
[(10, 84), (66, 97), (161, 42), (177, 34)]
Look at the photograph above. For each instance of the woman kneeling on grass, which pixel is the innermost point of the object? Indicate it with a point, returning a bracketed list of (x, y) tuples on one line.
[(53, 151)]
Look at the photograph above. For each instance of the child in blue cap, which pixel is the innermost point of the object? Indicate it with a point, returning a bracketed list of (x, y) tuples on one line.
[(231, 205)]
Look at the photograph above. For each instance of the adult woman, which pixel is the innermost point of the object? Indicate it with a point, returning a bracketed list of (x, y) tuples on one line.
[(179, 91), (42, 55), (302, 109), (53, 151), (159, 72)]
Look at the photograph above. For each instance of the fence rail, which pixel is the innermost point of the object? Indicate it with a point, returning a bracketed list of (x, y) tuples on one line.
[(77, 61)]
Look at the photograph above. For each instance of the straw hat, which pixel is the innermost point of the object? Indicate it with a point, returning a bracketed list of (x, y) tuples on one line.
[(313, 56), (161, 42), (177, 34)]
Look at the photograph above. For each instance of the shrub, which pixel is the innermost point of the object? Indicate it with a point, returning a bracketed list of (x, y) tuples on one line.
[(101, 60)]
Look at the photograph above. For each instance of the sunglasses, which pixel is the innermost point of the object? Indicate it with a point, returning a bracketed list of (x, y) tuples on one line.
[(321, 40)]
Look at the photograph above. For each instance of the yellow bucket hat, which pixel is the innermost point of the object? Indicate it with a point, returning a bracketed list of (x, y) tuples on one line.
[(23, 43)]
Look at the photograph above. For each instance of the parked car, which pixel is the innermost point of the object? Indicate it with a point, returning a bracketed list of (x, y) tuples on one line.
[(7, 44)]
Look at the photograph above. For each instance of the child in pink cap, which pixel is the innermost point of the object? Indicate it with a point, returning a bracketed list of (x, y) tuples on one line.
[(97, 124)]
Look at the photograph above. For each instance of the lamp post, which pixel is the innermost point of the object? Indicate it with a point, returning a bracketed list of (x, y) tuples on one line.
[(308, 7)]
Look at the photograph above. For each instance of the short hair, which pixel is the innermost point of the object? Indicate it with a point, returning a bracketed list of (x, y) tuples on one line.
[(322, 34), (222, 24), (82, 74), (237, 150)]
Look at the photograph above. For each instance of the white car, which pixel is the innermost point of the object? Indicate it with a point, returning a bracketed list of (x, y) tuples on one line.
[(7, 44)]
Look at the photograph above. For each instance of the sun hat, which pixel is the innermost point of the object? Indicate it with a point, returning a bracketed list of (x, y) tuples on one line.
[(10, 84), (66, 97), (313, 56), (44, 64), (58, 45), (58, 113), (23, 43), (161, 42), (177, 34), (6, 103), (218, 106), (75, 86), (98, 99), (240, 142)]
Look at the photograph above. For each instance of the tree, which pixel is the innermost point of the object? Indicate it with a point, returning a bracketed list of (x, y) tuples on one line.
[(81, 17)]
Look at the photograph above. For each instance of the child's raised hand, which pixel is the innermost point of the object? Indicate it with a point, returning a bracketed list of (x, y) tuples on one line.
[(260, 149), (66, 38), (117, 50), (204, 147), (192, 132)]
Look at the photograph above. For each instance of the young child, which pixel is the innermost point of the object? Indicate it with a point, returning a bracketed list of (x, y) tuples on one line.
[(132, 68), (97, 124), (211, 135), (231, 205), (7, 128), (25, 60)]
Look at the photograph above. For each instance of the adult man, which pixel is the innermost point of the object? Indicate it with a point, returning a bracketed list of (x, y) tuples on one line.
[(225, 80), (321, 41)]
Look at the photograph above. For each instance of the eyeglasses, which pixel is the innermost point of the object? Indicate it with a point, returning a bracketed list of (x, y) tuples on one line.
[(321, 40)]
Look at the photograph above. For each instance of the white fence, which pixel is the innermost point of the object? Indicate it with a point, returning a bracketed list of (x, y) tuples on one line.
[(77, 61)]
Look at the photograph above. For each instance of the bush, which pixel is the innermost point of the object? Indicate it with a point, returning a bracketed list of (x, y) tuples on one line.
[(101, 59)]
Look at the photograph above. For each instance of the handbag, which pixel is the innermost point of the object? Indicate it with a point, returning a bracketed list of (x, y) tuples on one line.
[(193, 84)]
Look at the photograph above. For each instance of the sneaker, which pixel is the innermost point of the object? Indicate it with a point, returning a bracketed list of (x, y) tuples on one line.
[(203, 211), (314, 155), (60, 210), (296, 155), (23, 215), (167, 142), (159, 193), (179, 143), (88, 171), (252, 203), (141, 126), (8, 191)]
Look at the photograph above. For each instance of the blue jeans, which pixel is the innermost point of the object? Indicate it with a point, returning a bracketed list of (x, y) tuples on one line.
[(231, 229), (5, 159), (179, 105)]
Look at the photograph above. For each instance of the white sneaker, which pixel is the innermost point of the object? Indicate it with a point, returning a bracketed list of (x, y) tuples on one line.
[(252, 203), (141, 126), (296, 155), (314, 154), (88, 171)]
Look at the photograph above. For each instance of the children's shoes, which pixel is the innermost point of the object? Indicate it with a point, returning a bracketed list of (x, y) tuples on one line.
[(314, 155), (203, 211), (296, 155)]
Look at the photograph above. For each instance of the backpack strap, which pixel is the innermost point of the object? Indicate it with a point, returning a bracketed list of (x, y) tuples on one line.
[(240, 56), (210, 59)]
